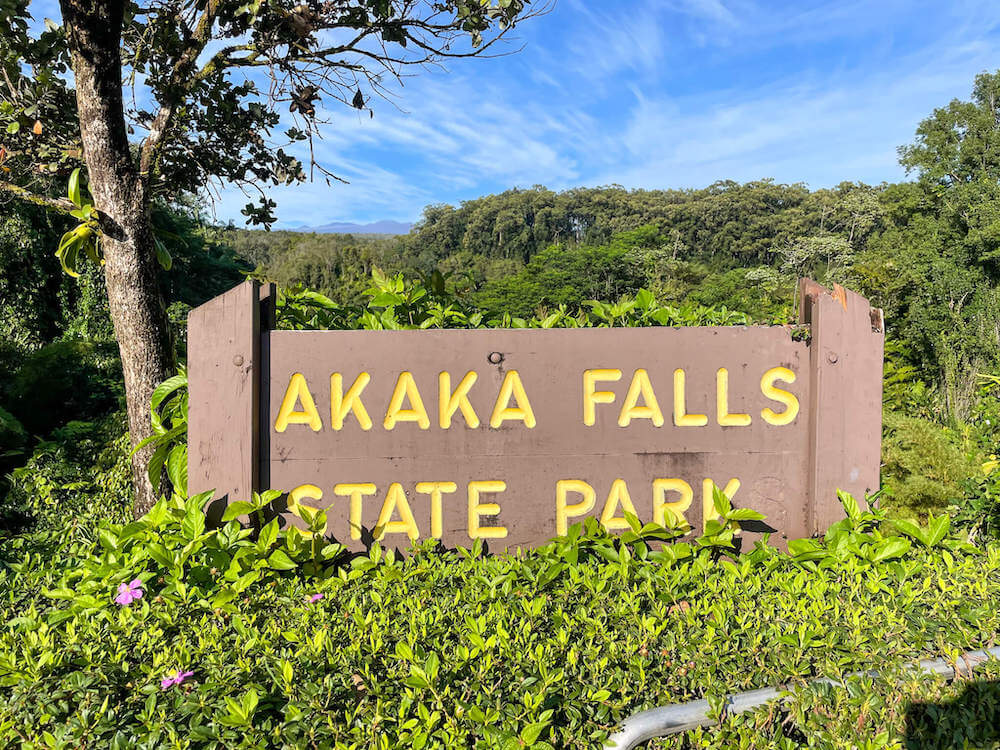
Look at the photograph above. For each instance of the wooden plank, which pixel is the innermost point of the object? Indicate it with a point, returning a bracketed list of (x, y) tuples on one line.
[(224, 396), (845, 431)]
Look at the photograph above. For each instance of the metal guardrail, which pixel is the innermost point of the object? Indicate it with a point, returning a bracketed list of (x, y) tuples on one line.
[(666, 720)]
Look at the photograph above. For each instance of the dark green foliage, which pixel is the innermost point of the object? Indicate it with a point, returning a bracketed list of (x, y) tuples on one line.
[(960, 144), (13, 442), (766, 296), (203, 266), (58, 357), (743, 222), (12, 434), (80, 473), (34, 295), (71, 379), (569, 275), (339, 265)]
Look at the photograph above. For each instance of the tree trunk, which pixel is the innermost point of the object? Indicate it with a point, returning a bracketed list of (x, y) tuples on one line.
[(136, 304)]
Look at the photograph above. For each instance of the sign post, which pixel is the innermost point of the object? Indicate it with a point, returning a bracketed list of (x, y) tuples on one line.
[(510, 436)]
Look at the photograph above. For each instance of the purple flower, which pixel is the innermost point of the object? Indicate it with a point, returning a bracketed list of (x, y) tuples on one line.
[(314, 598), (175, 678), (129, 592)]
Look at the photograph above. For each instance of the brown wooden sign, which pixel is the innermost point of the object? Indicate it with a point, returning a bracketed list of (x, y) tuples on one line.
[(510, 436)]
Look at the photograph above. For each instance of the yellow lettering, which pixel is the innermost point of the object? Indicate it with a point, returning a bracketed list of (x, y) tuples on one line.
[(564, 510), (341, 405), (310, 491), (681, 417), (406, 388), (769, 390), (435, 490), (478, 509), (298, 390), (449, 403), (396, 498), (512, 386), (617, 496), (354, 491), (640, 387), (592, 397), (707, 502), (675, 510), (722, 402)]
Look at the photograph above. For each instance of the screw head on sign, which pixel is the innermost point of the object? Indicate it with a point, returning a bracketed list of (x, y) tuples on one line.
[(494, 358), (832, 358), (238, 360)]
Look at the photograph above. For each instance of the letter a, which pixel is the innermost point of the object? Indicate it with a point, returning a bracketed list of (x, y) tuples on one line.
[(297, 391), (406, 387), (512, 386)]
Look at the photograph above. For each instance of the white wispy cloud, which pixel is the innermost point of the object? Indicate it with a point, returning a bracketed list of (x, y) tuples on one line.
[(819, 129), (629, 93)]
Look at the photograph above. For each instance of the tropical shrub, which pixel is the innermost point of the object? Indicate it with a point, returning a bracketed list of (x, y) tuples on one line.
[(164, 632), (72, 378), (924, 466), (79, 474)]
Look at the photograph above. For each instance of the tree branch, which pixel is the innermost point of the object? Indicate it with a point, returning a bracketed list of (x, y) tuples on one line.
[(161, 123), (63, 205)]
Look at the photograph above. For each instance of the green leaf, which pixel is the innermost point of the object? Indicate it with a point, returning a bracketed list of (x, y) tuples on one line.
[(159, 553), (530, 734), (431, 665), (133, 529), (280, 561), (193, 524), (74, 188), (177, 468), (68, 251), (633, 522), (911, 529), (417, 678), (644, 299), (268, 535), (162, 254), (249, 702), (938, 529), (157, 514), (223, 597), (890, 549), (721, 501), (745, 514), (107, 539), (237, 509), (806, 549), (165, 388), (156, 461), (851, 506)]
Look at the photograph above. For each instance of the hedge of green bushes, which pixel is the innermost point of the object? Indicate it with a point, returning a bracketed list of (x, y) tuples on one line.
[(282, 641)]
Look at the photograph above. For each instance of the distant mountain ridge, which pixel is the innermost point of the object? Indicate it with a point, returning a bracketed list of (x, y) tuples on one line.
[(384, 226)]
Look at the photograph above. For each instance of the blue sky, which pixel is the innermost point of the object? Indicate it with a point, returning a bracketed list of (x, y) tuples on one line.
[(655, 94)]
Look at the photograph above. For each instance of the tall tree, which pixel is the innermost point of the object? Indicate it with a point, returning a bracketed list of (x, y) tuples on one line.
[(960, 143), (158, 98)]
